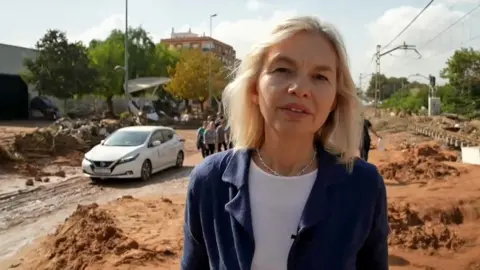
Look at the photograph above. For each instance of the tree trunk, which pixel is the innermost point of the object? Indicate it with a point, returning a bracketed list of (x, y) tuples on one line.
[(109, 113), (201, 105), (188, 106)]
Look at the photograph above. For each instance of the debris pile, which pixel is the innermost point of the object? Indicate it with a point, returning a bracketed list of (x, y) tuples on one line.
[(408, 230), (420, 162), (63, 136)]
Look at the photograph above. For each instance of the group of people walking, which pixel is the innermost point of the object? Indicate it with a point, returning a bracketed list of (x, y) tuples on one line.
[(213, 136)]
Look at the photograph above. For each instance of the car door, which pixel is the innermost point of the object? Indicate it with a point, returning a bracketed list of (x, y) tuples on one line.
[(170, 149), (155, 152)]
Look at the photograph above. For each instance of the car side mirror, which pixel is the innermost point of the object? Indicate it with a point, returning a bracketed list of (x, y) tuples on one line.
[(102, 141), (155, 143)]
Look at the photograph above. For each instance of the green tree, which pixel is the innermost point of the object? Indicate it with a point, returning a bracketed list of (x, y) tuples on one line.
[(190, 78), (145, 59), (463, 74), (61, 68), (387, 86)]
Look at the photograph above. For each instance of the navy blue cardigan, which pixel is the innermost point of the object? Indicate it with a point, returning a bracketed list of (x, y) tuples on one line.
[(344, 225)]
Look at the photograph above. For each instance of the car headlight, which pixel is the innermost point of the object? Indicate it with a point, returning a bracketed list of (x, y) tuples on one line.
[(129, 158)]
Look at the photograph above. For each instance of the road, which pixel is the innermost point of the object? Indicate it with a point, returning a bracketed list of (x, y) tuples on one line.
[(27, 215)]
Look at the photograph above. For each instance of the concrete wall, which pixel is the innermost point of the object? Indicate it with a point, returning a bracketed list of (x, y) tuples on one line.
[(11, 58)]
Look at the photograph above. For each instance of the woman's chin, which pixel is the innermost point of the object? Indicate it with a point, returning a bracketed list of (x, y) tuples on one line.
[(294, 129)]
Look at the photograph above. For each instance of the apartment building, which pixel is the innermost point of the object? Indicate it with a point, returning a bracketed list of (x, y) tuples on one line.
[(189, 40)]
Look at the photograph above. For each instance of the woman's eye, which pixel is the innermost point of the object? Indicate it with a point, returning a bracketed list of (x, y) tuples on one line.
[(320, 77), (282, 70)]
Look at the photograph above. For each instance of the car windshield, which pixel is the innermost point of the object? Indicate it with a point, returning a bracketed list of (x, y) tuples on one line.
[(127, 138)]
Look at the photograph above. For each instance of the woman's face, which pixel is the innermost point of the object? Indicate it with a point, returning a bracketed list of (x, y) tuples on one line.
[(296, 88)]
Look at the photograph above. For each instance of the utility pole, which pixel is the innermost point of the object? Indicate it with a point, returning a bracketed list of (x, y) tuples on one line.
[(210, 92), (360, 82), (127, 94), (379, 55), (377, 73)]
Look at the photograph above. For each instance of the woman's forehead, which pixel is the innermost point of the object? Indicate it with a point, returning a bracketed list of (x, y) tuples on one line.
[(304, 48)]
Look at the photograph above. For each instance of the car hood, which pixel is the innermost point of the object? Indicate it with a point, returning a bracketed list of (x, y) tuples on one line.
[(110, 153)]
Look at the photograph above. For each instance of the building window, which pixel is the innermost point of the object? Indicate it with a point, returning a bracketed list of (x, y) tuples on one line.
[(208, 45)]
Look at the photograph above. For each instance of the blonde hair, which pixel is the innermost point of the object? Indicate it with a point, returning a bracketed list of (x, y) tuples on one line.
[(341, 132)]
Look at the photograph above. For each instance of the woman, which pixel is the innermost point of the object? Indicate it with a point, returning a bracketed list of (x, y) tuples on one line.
[(293, 194), (200, 145), (210, 138)]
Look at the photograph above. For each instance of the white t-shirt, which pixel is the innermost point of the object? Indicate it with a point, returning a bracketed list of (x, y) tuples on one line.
[(277, 204)]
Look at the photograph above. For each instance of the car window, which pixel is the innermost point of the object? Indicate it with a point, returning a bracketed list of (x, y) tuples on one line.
[(157, 136), (126, 138), (167, 134)]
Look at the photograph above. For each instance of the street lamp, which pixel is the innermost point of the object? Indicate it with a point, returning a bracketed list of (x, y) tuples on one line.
[(210, 92)]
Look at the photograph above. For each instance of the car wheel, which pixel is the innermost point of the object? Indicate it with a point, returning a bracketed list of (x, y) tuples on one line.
[(180, 158), (146, 170)]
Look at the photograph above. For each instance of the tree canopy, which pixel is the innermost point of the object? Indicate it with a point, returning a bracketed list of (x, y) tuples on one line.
[(190, 77), (61, 69), (461, 93)]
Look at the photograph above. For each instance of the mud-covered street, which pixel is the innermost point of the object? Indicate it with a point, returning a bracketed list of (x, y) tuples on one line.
[(434, 210), (33, 205), (35, 212)]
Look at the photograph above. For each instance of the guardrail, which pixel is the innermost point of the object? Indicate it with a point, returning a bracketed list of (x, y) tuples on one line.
[(450, 138)]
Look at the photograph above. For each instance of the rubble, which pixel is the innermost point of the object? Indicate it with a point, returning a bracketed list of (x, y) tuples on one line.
[(420, 162), (408, 230), (62, 136)]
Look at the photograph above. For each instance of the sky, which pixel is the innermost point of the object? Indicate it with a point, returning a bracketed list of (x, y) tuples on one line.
[(242, 23)]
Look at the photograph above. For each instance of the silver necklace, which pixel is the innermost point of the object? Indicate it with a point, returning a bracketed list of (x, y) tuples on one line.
[(278, 174)]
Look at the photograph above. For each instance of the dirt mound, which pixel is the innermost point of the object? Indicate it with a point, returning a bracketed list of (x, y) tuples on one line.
[(89, 237), (420, 162), (127, 233), (409, 230)]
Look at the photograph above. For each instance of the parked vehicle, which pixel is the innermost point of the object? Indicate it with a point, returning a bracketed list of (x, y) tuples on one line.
[(43, 107), (134, 152)]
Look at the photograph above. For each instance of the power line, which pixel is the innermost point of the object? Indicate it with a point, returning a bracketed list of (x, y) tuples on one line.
[(408, 60), (451, 25), (451, 48), (408, 25)]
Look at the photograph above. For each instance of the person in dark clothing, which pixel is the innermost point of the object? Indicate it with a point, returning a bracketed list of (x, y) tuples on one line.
[(210, 138), (221, 142), (365, 148), (218, 121)]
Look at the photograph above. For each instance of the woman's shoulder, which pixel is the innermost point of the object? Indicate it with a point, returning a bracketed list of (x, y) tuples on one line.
[(366, 176), (362, 168), (210, 170)]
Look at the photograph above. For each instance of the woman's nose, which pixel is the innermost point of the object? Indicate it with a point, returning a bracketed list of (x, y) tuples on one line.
[(300, 86)]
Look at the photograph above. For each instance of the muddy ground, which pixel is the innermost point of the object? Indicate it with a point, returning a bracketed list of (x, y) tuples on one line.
[(434, 214)]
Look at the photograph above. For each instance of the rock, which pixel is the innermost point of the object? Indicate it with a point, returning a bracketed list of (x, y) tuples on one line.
[(29, 182), (46, 180), (60, 173), (38, 179)]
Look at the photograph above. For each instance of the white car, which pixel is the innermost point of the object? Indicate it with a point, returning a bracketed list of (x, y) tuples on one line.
[(134, 152)]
